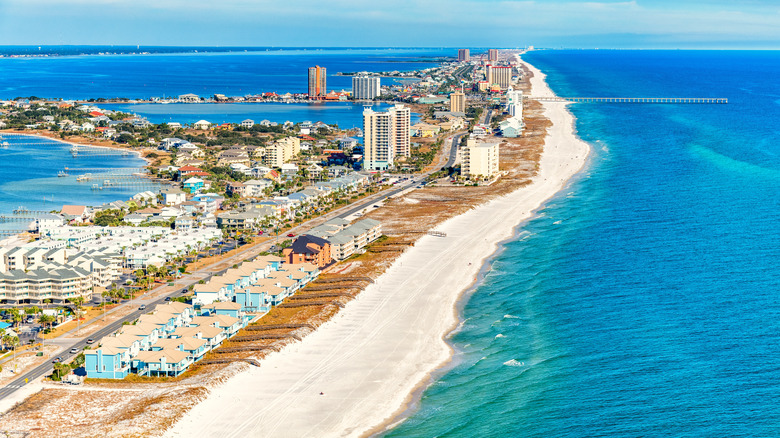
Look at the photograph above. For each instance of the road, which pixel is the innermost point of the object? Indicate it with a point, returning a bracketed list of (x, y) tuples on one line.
[(207, 271)]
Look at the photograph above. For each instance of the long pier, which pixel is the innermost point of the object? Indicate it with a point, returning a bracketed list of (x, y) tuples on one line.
[(683, 100)]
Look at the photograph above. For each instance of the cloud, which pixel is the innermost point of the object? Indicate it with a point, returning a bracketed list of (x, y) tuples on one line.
[(360, 23)]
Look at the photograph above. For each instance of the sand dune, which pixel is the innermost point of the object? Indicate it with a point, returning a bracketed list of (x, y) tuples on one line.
[(384, 344)]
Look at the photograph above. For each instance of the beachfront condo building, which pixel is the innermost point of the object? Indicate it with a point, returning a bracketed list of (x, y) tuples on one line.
[(499, 75), (514, 102), (365, 87), (463, 55), (317, 82), (479, 159), (493, 55), (385, 136), (458, 102)]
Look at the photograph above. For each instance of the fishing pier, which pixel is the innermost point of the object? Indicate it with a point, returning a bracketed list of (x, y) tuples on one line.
[(678, 100)]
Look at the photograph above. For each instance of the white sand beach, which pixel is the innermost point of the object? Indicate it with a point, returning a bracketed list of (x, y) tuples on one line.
[(371, 357)]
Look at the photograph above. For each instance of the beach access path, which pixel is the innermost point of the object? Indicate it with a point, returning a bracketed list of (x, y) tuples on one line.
[(358, 371)]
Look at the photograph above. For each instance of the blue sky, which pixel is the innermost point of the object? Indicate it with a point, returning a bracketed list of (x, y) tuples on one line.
[(431, 23)]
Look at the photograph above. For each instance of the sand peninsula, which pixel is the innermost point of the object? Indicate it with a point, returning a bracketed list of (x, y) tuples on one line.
[(357, 372)]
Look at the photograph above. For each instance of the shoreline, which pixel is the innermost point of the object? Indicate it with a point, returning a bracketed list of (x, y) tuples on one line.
[(138, 154), (376, 357)]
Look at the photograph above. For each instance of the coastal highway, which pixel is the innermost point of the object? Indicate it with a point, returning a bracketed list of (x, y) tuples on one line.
[(406, 184), (47, 368)]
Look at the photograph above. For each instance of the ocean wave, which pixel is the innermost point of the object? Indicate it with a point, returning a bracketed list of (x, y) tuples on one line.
[(508, 316), (514, 363), (499, 336)]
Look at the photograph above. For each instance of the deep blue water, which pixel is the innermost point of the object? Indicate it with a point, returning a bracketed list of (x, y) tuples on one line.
[(644, 300), (29, 167), (165, 75), (344, 114)]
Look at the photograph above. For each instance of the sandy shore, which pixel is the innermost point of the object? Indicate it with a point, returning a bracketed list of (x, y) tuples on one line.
[(138, 154), (369, 359)]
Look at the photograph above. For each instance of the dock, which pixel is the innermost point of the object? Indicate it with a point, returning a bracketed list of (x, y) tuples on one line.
[(676, 100)]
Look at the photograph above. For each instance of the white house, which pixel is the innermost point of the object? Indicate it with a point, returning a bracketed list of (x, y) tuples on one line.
[(248, 123), (202, 124), (174, 197)]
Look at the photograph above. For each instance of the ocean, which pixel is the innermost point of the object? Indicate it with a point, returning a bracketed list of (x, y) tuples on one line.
[(643, 299)]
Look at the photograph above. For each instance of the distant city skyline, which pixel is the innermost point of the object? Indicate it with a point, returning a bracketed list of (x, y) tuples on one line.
[(351, 23)]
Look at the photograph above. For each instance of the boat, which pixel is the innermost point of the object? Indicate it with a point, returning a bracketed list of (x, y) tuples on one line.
[(62, 174), (4, 144)]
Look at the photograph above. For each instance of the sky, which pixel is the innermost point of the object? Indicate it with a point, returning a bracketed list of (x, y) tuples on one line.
[(394, 23)]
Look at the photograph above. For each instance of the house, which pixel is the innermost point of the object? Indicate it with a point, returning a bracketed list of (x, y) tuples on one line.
[(511, 127), (202, 125), (174, 197), (193, 184), (248, 123), (308, 249), (347, 143), (189, 98), (255, 188), (236, 188), (74, 212), (106, 363), (289, 169), (162, 362)]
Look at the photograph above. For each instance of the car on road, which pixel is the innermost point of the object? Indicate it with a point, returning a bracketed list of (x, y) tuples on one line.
[(57, 360), (291, 235), (90, 341), (142, 307), (167, 298), (74, 350)]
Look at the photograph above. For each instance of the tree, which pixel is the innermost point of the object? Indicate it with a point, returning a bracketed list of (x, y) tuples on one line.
[(46, 319)]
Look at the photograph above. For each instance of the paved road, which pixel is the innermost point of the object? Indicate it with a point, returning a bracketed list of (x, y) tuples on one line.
[(47, 368)]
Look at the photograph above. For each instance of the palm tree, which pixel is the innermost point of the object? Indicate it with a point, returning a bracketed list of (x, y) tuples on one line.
[(16, 315)]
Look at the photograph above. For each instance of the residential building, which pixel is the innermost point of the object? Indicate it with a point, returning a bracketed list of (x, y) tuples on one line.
[(193, 184), (202, 124), (308, 249), (514, 102), (173, 197), (365, 87), (458, 102), (499, 75), (346, 239), (479, 159), (511, 127), (317, 82), (248, 123), (492, 54), (463, 55), (386, 136)]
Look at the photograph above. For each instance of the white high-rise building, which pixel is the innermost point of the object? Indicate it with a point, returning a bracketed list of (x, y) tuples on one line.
[(365, 87), (385, 136), (514, 102), (401, 124), (479, 159)]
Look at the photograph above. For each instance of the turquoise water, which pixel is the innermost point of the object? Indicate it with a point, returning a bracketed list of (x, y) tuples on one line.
[(644, 300), (30, 166)]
